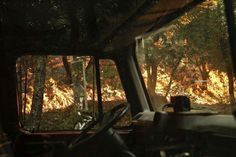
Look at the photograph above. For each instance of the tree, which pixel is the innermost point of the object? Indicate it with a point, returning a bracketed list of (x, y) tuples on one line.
[(197, 43), (68, 69), (79, 82), (210, 43), (39, 83), (152, 61)]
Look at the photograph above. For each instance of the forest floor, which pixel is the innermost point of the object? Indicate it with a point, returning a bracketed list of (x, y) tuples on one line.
[(67, 118)]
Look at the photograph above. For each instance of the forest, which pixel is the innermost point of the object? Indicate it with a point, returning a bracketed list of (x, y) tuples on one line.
[(60, 92), (189, 56)]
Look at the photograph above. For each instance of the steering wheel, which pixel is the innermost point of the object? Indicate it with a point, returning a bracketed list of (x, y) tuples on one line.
[(107, 120)]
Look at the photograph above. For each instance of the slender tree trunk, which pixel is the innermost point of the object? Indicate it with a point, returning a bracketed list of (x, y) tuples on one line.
[(153, 78), (205, 77), (172, 76), (39, 83), (201, 65), (78, 90), (25, 67), (68, 69), (90, 64), (148, 69), (19, 87), (151, 69), (231, 84)]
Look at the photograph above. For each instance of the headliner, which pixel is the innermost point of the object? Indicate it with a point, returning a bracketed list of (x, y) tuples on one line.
[(68, 26)]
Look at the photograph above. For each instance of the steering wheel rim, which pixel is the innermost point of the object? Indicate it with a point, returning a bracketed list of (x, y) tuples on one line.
[(107, 120)]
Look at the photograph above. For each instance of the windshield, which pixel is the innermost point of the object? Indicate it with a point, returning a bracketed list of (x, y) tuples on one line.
[(60, 92), (190, 57)]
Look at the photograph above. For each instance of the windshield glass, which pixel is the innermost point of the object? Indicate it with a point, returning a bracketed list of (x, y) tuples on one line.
[(190, 57), (60, 92)]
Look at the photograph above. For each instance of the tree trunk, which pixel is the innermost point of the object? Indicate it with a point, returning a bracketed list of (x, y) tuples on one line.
[(39, 83), (148, 68), (68, 70), (231, 84), (153, 78), (203, 71), (24, 103), (19, 88), (205, 77), (172, 75), (151, 69), (77, 77)]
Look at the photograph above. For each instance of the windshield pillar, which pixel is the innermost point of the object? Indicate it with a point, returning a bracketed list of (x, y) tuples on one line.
[(131, 81)]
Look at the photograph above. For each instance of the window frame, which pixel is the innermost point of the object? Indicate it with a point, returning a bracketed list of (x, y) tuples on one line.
[(96, 65)]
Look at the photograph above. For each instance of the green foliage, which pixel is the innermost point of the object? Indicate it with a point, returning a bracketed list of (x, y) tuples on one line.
[(187, 50), (202, 37), (109, 75), (206, 34)]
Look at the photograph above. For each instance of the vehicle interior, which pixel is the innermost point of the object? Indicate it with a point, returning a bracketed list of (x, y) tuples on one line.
[(133, 78)]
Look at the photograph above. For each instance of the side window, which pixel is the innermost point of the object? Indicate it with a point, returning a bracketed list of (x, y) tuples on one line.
[(60, 92), (190, 57)]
